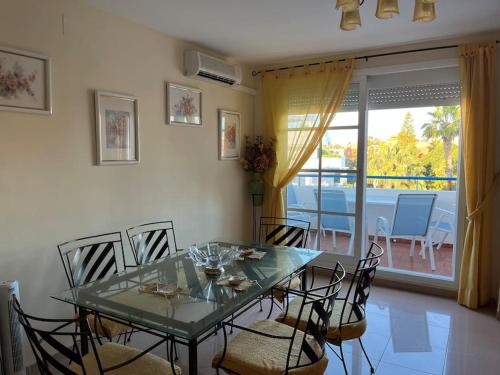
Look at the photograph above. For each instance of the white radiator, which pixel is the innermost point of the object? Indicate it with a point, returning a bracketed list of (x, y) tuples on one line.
[(11, 346)]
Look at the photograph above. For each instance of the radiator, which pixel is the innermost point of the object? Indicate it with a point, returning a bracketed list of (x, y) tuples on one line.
[(11, 346)]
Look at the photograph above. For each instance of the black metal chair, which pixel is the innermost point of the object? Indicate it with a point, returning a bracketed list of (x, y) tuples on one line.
[(269, 346), (283, 231), (90, 259), (348, 321), (53, 356), (152, 241)]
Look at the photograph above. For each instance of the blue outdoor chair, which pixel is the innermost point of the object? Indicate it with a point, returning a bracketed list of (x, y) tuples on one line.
[(412, 218), (335, 200)]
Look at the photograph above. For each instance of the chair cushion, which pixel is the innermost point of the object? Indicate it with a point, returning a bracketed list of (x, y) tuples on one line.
[(105, 327), (352, 326), (111, 354), (279, 292), (252, 354)]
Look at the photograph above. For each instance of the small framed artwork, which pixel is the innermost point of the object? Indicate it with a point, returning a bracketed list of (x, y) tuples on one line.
[(117, 128), (229, 135), (183, 105), (25, 82)]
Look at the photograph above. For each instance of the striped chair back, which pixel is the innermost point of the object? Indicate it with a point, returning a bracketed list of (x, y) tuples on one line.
[(316, 309), (361, 283), (152, 241), (283, 231), (91, 258)]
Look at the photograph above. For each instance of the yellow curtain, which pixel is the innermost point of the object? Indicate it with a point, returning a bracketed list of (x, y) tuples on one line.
[(477, 74), (297, 106)]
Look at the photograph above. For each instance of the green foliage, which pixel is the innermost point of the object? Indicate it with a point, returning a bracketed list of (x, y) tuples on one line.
[(404, 155)]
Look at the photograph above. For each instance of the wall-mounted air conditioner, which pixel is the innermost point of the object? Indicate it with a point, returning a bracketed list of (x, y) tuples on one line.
[(10, 331), (199, 64)]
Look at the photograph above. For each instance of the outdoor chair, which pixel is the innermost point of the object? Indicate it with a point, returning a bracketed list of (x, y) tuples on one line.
[(412, 218)]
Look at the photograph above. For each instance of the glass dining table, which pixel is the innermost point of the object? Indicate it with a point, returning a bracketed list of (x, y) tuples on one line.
[(200, 305)]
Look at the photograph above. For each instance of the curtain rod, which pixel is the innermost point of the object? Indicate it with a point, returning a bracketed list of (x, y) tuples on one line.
[(366, 57)]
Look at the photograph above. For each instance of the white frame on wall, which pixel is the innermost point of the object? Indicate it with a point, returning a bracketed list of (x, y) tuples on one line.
[(219, 133), (99, 125), (48, 81), (168, 89)]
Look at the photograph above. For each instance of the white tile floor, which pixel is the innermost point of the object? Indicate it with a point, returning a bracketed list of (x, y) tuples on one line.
[(408, 334)]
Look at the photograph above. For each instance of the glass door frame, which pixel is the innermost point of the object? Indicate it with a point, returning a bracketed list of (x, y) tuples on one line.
[(402, 277), (350, 260)]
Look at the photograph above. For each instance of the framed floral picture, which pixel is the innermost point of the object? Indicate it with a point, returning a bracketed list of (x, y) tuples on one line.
[(229, 135), (117, 128), (183, 105), (25, 82)]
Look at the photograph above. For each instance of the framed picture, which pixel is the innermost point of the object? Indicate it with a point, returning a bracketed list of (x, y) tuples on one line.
[(117, 128), (183, 105), (25, 82), (229, 135)]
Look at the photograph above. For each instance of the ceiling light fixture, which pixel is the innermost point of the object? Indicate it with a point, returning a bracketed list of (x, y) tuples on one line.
[(425, 11)]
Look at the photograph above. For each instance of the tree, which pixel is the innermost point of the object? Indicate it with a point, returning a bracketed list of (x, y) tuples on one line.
[(444, 125)]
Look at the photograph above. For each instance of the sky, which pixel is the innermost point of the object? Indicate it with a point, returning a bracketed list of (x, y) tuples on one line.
[(382, 124)]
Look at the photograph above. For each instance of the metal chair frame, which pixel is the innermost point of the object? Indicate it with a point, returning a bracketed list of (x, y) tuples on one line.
[(150, 242), (321, 301), (82, 260), (43, 342), (283, 231), (359, 289)]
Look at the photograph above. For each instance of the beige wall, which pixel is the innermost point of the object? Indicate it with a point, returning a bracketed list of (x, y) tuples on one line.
[(50, 189), (415, 58)]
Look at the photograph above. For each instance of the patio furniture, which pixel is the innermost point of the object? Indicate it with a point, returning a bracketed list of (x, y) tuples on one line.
[(199, 307), (335, 201), (53, 356), (272, 347), (444, 224), (152, 241), (412, 218), (294, 204), (348, 319)]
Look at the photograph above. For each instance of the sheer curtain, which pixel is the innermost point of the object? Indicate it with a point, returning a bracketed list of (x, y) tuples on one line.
[(477, 75), (297, 106)]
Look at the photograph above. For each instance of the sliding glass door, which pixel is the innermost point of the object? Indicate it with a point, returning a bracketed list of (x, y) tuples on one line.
[(387, 170)]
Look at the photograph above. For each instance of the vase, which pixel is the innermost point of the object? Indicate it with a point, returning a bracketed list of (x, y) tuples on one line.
[(257, 189)]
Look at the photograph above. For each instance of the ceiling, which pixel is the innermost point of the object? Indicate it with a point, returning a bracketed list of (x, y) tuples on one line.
[(264, 31)]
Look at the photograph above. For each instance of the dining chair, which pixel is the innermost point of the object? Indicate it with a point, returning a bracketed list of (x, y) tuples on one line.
[(348, 320), (412, 218), (335, 201), (270, 347), (93, 258), (284, 231), (53, 356), (152, 241)]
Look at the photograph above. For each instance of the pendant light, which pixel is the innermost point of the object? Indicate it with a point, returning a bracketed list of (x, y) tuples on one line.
[(350, 20), (386, 9), (347, 4), (425, 11)]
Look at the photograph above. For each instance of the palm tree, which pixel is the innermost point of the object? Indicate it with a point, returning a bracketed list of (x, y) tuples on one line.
[(444, 125)]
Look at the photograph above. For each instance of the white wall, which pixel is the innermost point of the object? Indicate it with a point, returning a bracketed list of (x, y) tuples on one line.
[(50, 189), (416, 58)]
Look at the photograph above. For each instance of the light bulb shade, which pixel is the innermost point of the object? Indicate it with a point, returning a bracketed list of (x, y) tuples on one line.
[(424, 11), (350, 20), (347, 4), (386, 9)]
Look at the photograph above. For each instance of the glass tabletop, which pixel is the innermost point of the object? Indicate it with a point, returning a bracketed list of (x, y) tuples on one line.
[(200, 303)]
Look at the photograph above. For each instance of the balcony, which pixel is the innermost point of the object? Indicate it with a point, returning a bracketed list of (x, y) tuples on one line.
[(381, 202)]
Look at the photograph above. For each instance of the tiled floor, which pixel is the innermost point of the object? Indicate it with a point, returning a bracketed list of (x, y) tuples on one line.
[(408, 334), (400, 253)]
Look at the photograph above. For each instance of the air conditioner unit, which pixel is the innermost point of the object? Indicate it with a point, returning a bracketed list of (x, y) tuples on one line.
[(199, 64), (10, 331)]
